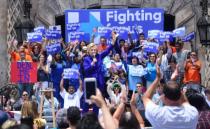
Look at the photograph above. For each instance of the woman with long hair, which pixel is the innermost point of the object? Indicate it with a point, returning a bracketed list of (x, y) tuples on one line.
[(151, 69), (30, 115)]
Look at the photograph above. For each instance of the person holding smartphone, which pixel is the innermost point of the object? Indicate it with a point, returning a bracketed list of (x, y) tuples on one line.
[(71, 96)]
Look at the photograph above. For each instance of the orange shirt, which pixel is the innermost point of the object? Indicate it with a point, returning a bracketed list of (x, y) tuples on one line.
[(102, 48), (173, 49), (16, 57), (192, 72), (27, 51)]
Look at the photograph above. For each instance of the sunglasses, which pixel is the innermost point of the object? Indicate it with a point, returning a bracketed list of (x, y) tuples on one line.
[(25, 94), (193, 54)]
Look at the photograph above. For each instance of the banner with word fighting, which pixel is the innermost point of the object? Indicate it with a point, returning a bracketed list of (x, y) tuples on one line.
[(23, 72), (83, 24)]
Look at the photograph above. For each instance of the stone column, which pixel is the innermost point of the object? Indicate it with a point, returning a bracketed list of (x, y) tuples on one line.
[(3, 44)]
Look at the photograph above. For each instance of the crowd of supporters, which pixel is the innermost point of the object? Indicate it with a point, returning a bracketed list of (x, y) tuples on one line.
[(135, 88)]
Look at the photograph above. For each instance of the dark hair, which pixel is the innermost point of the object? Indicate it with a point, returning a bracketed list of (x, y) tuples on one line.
[(122, 40), (135, 57), (89, 121), (103, 37), (61, 118), (162, 81), (179, 42), (73, 115), (62, 125), (3, 117), (139, 83), (128, 121), (172, 91), (21, 126), (45, 58), (27, 121), (141, 34), (112, 110), (207, 91), (172, 59), (196, 99), (39, 47)]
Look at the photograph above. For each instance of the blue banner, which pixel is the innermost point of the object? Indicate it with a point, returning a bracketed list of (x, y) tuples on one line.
[(82, 24), (54, 32), (69, 73), (34, 37), (53, 48), (40, 29), (189, 37)]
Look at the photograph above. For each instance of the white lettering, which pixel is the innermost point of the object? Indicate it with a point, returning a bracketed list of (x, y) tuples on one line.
[(139, 15), (109, 15)]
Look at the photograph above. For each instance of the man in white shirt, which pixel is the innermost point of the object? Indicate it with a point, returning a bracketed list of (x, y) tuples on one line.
[(71, 96), (177, 112)]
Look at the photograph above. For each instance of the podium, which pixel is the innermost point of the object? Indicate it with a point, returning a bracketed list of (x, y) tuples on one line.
[(52, 104)]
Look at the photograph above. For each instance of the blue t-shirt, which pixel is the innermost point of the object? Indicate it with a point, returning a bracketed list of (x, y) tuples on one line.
[(151, 72)]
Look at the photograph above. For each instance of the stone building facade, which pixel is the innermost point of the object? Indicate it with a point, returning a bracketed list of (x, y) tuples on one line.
[(186, 12)]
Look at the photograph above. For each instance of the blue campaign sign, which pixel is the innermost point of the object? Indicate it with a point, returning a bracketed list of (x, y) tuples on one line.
[(82, 24), (179, 32), (53, 48), (154, 33), (69, 73), (54, 32), (40, 29), (189, 37), (150, 46), (165, 35), (34, 37)]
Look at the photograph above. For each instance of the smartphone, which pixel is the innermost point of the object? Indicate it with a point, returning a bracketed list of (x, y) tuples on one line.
[(90, 85)]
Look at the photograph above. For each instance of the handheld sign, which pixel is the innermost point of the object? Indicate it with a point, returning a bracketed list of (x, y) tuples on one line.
[(53, 48), (150, 46), (23, 72), (54, 32), (154, 33), (40, 29), (179, 32), (34, 37), (136, 70), (69, 73), (189, 37)]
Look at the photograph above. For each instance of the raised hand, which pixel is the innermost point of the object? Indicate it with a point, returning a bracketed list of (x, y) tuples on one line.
[(158, 73), (114, 37)]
